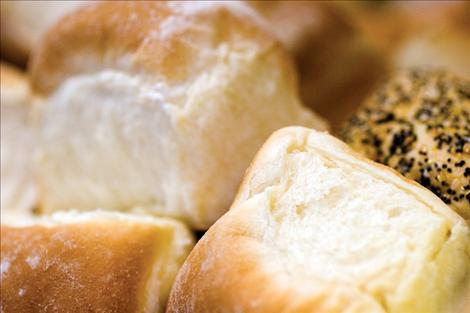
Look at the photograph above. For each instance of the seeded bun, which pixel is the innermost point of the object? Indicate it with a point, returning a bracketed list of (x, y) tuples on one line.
[(419, 124)]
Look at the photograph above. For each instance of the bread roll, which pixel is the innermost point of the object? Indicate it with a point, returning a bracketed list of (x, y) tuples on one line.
[(419, 124), (18, 142), (158, 106), (24, 22), (337, 67), (91, 262), (318, 228), (443, 43)]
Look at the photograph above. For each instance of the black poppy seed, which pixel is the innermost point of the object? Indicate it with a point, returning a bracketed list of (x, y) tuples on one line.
[(445, 199)]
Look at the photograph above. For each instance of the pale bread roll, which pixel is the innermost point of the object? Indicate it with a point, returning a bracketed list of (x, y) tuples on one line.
[(18, 143), (24, 22), (91, 262), (443, 42), (158, 107), (318, 228), (337, 67)]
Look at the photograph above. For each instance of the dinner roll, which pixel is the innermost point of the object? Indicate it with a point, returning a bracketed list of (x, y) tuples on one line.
[(337, 67), (158, 106), (419, 124), (24, 22), (442, 43), (318, 228), (18, 142), (91, 262)]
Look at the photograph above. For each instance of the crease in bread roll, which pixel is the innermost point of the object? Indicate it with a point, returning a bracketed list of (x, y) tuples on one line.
[(94, 261), (18, 145), (318, 228), (158, 106)]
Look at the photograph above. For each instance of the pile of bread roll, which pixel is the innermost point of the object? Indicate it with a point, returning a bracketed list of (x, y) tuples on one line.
[(241, 156)]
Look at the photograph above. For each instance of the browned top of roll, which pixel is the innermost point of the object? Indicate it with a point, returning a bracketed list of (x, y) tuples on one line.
[(95, 266), (164, 39)]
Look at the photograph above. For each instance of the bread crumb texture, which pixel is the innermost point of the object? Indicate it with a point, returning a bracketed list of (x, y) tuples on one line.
[(317, 228)]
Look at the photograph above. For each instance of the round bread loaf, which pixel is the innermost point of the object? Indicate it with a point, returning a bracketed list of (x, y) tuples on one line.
[(443, 42), (18, 142), (158, 106), (419, 124), (337, 67), (91, 262), (318, 228)]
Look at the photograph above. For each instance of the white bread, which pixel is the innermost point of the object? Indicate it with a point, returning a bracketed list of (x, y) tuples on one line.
[(337, 67), (24, 22), (418, 123), (318, 228), (91, 262), (18, 142), (165, 113)]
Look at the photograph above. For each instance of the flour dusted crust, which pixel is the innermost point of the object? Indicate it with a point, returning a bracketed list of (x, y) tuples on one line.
[(419, 124), (18, 143), (130, 35), (318, 228), (158, 106), (97, 262)]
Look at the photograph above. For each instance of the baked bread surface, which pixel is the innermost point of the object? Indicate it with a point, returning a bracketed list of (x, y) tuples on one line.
[(318, 228), (18, 144), (419, 124), (158, 106), (24, 22), (90, 262)]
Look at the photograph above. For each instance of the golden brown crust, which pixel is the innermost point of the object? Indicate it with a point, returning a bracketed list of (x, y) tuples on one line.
[(11, 77), (97, 266), (147, 37)]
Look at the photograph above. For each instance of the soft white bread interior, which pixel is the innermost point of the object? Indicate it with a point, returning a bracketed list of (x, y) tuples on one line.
[(318, 228), (158, 106), (18, 142), (91, 262), (24, 22)]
